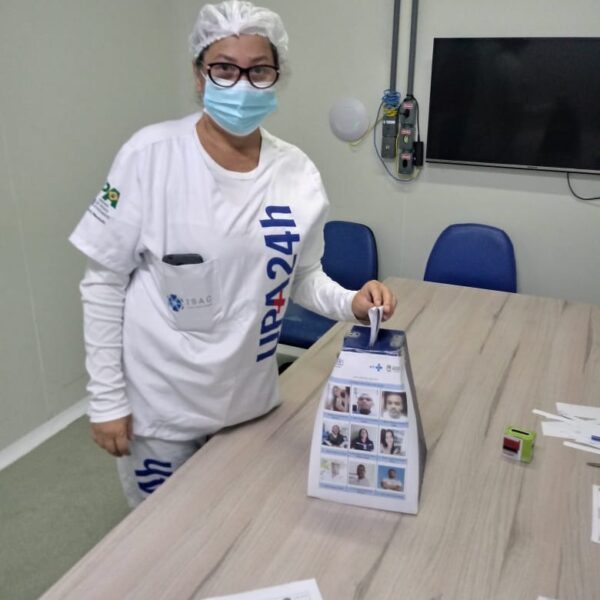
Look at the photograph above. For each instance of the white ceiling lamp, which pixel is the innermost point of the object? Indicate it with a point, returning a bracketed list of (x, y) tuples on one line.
[(348, 119)]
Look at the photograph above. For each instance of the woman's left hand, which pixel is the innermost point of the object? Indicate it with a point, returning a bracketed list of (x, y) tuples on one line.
[(373, 293)]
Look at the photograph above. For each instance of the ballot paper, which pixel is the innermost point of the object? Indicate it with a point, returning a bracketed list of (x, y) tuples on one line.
[(375, 318), (368, 447), (298, 590), (578, 411), (577, 423)]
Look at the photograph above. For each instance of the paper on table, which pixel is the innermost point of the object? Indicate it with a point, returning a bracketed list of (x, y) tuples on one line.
[(572, 430), (585, 439), (582, 447), (596, 514), (375, 317), (557, 429), (298, 590), (580, 411), (572, 425)]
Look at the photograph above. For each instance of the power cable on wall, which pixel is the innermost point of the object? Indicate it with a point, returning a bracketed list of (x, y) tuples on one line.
[(577, 195)]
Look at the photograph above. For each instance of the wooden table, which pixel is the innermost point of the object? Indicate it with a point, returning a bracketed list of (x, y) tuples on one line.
[(236, 517)]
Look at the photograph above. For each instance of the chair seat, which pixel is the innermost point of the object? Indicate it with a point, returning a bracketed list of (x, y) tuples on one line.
[(302, 327)]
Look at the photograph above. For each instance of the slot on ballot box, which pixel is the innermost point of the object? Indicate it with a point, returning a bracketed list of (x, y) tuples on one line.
[(368, 447)]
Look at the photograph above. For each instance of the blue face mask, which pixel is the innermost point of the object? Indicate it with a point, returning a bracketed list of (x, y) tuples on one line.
[(240, 109)]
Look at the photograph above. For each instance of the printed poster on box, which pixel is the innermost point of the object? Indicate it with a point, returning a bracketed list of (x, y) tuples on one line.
[(368, 447)]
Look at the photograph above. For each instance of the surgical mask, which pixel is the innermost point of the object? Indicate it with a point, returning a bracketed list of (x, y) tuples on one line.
[(240, 109)]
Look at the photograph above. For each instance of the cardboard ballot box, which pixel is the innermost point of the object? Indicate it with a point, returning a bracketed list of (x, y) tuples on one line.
[(368, 447)]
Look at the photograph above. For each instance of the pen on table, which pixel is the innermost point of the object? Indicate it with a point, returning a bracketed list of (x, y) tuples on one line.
[(593, 464)]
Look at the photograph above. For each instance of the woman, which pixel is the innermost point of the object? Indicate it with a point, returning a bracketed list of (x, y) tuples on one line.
[(362, 441), (204, 229), (388, 443), (339, 401), (335, 437)]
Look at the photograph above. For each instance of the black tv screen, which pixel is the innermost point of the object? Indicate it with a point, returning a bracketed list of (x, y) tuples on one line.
[(531, 103)]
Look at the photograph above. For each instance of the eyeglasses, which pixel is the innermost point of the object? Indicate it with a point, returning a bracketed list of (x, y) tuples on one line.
[(228, 74)]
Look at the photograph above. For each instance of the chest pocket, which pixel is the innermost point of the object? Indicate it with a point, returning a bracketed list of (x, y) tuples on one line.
[(192, 294)]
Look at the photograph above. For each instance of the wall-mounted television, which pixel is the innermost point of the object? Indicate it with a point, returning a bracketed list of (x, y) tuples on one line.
[(529, 103)]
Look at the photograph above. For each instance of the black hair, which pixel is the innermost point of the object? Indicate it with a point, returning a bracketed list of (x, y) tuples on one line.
[(383, 436)]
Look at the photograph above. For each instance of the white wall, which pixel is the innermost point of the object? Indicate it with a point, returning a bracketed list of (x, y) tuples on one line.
[(342, 47), (556, 237), (78, 78)]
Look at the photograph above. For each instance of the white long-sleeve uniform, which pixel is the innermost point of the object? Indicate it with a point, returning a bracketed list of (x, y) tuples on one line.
[(189, 349)]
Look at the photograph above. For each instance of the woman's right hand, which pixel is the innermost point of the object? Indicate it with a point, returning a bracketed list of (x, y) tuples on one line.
[(113, 436)]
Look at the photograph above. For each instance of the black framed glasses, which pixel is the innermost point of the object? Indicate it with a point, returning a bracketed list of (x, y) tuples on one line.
[(228, 74)]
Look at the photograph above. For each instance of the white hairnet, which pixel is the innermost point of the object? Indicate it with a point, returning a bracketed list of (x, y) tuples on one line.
[(235, 17)]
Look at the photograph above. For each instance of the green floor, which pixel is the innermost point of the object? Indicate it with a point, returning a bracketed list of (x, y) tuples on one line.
[(55, 504)]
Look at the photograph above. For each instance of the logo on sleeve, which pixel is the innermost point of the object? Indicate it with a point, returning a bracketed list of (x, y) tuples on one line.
[(110, 194), (104, 202), (281, 235)]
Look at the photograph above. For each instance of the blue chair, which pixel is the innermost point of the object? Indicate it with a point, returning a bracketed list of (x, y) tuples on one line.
[(473, 255), (350, 258)]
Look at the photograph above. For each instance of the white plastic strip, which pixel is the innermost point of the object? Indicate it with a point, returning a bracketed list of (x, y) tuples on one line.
[(298, 590), (596, 514)]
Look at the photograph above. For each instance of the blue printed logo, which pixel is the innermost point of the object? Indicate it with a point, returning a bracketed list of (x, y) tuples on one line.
[(378, 367), (175, 302), (158, 472), (280, 236)]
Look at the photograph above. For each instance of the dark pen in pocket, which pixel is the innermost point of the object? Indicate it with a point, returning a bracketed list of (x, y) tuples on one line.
[(182, 259)]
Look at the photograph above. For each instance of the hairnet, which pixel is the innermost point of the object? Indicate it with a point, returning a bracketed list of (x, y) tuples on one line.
[(235, 17)]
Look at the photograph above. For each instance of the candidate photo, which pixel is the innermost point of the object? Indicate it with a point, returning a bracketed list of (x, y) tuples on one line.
[(338, 398), (391, 442), (361, 474), (393, 405), (335, 434), (365, 402), (390, 478), (362, 438), (333, 471)]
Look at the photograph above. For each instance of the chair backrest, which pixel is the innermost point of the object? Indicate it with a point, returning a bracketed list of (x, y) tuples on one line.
[(473, 255), (350, 256)]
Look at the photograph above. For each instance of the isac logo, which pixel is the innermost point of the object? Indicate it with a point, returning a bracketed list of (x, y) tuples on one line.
[(175, 302)]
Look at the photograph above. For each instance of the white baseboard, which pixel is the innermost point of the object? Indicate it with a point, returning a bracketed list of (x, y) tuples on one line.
[(42, 433)]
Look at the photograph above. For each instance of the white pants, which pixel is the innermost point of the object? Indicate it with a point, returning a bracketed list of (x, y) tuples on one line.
[(150, 464)]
